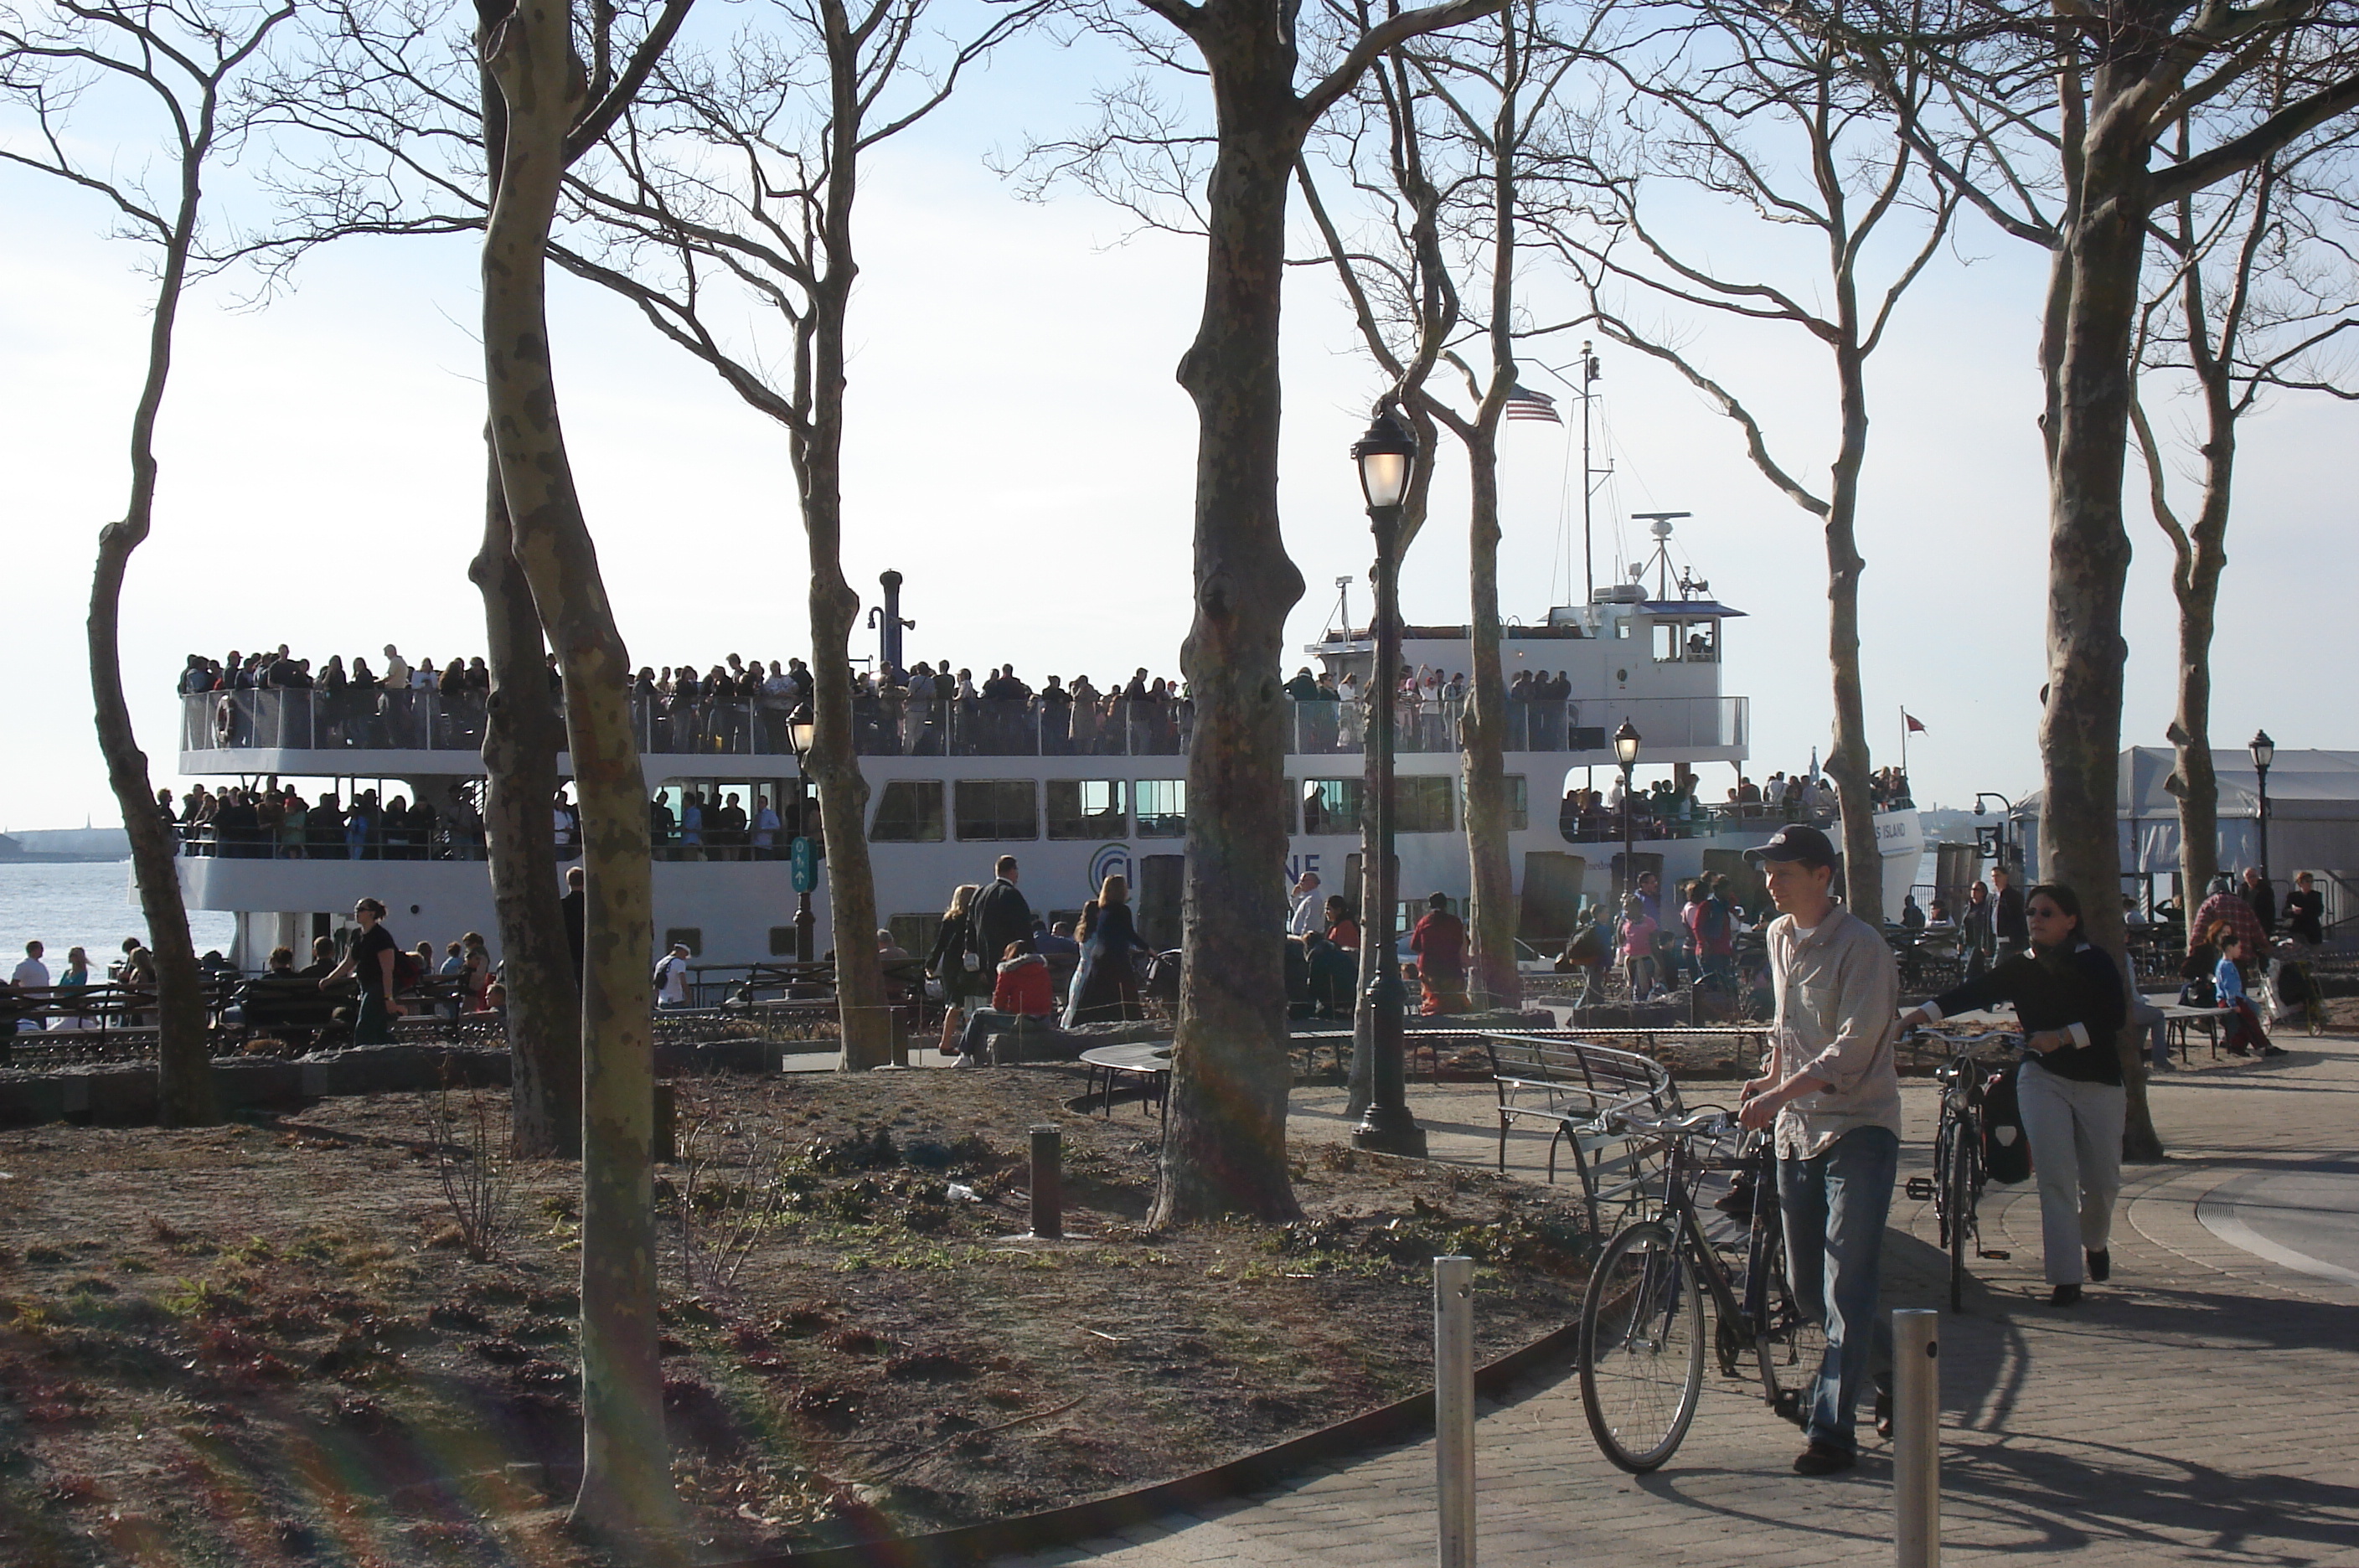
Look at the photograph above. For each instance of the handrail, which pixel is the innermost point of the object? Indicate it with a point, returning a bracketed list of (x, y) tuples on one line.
[(371, 718)]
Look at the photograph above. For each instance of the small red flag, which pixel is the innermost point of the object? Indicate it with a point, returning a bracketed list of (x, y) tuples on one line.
[(1914, 727)]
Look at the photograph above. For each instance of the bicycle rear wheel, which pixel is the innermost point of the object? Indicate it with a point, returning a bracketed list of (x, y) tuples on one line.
[(1964, 1186), (1792, 1346), (1641, 1348)]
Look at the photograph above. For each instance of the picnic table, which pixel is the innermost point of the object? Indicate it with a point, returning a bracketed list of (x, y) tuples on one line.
[(1147, 1060)]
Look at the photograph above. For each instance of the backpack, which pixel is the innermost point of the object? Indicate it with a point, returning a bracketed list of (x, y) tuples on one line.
[(2006, 1152)]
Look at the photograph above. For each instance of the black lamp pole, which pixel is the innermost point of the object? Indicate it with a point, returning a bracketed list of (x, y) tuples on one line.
[(2265, 751), (1626, 751), (1386, 456)]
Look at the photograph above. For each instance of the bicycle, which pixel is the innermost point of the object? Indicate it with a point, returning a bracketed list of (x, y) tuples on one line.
[(2296, 987), (1955, 1187), (1642, 1341)]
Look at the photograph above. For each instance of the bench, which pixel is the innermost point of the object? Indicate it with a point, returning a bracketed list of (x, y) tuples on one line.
[(1579, 1089)]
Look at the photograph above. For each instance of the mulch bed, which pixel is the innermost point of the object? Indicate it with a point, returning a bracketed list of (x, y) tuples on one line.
[(269, 1343)]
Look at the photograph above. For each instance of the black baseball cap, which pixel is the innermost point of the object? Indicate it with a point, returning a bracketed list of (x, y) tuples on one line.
[(1795, 841)]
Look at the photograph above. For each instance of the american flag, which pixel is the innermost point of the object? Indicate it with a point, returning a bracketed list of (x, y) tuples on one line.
[(1523, 403)]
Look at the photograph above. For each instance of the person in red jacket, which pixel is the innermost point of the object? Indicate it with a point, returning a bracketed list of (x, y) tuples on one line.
[(1023, 989), (1439, 943)]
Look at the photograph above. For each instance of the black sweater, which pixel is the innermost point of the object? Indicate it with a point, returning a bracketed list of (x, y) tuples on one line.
[(2079, 987)]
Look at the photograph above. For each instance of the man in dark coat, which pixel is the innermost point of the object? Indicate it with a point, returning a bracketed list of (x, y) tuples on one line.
[(999, 915), (2261, 897)]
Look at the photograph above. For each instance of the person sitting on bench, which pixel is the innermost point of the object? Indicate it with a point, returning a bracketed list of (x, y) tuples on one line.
[(1024, 989)]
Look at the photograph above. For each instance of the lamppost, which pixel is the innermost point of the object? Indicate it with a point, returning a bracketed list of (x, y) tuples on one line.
[(2265, 751), (798, 738), (1386, 458), (1626, 752), (2005, 824)]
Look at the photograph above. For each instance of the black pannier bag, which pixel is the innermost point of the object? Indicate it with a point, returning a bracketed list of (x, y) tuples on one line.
[(2007, 1153)]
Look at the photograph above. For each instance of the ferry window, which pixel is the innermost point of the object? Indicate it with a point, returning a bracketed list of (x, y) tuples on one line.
[(1330, 806), (908, 810), (997, 809), (1704, 642), (694, 936), (1425, 803), (1519, 802), (1670, 642), (914, 933), (1162, 807), (1086, 808)]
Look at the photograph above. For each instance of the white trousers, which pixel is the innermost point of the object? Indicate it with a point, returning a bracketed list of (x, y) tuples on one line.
[(2075, 1130)]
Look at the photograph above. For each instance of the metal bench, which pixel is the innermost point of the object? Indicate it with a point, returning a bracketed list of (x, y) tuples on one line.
[(1580, 1090)]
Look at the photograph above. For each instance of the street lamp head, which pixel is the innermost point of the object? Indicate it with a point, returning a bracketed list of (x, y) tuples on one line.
[(2265, 750), (799, 735), (1626, 744), (1387, 456), (1981, 810)]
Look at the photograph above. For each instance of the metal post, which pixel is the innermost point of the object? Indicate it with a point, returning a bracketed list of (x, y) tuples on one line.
[(2263, 816), (1376, 1035), (1916, 1437), (1453, 1409), (1047, 1182), (1629, 839)]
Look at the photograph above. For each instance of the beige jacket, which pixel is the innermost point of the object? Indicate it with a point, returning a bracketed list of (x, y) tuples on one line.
[(1838, 1016)]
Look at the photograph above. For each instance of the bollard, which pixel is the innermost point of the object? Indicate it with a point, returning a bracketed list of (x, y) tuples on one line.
[(1047, 1182), (1453, 1409), (1917, 1438)]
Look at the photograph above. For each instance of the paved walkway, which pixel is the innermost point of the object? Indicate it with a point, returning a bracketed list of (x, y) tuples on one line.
[(2203, 1407)]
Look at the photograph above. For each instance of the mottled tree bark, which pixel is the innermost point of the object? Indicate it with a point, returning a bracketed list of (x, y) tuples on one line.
[(520, 744), (2085, 350), (1225, 1141), (627, 1487), (1491, 916), (1847, 761), (1224, 1138)]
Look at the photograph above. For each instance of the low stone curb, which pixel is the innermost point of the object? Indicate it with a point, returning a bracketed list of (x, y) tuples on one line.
[(1379, 1428), (123, 1094)]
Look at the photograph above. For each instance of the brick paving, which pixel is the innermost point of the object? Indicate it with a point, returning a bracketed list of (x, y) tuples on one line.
[(2201, 1408)]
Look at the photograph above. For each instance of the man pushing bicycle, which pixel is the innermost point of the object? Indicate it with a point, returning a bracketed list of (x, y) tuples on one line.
[(1833, 1096)]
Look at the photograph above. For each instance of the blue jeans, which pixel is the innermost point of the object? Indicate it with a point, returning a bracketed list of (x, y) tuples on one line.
[(1834, 1208)]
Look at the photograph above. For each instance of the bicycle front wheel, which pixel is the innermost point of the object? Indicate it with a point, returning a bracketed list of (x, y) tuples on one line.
[(1641, 1348)]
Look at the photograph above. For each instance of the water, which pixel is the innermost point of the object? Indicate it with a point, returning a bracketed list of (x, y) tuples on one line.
[(86, 905)]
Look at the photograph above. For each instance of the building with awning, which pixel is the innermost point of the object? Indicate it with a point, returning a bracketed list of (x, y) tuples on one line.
[(2313, 821)]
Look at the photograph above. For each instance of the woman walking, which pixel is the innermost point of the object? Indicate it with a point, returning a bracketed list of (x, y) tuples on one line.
[(948, 963), (1105, 987), (2068, 997)]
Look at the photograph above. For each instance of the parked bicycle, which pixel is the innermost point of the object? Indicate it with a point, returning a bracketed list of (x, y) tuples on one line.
[(1642, 1319), (1959, 1159)]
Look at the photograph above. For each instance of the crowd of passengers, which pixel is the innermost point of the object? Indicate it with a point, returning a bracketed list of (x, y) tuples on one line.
[(742, 706), (271, 822)]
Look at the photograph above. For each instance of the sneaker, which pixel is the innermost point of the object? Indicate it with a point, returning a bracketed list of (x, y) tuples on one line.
[(2064, 1296), (1884, 1413), (1823, 1459), (2101, 1266), (963, 1062)]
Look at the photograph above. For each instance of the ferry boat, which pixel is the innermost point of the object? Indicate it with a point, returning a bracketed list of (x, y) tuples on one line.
[(953, 787)]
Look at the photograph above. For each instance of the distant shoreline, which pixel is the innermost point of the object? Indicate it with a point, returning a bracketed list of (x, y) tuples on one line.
[(36, 857)]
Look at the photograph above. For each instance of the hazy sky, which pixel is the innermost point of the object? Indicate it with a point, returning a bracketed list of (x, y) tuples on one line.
[(1020, 450)]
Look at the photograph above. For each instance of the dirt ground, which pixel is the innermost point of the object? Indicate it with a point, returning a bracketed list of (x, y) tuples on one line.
[(267, 1342)]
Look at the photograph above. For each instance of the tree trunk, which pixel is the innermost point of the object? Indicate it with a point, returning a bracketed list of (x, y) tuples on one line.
[(520, 742), (2197, 783), (627, 1487), (184, 1069), (1847, 761), (2094, 308), (1491, 917), (863, 1019), (1225, 1141)]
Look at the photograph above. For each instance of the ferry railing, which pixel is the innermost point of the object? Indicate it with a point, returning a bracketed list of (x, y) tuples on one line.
[(373, 840), (372, 718)]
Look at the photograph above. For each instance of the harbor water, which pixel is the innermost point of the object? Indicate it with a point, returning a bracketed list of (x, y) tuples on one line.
[(86, 904)]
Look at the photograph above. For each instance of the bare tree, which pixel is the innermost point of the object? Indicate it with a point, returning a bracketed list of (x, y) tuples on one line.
[(389, 124), (1436, 147), (2257, 290), (180, 59), (1760, 104), (793, 106), (1224, 1140), (547, 89), (2060, 126)]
